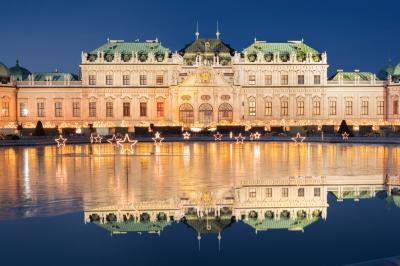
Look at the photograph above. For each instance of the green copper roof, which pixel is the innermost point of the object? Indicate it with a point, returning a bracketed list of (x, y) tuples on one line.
[(131, 226), (288, 47), (212, 46), (4, 71), (131, 47), (297, 224), (19, 73), (54, 76), (351, 76), (212, 225), (394, 71)]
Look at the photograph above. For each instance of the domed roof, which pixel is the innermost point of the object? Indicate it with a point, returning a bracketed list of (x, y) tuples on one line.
[(394, 71), (4, 71), (19, 73)]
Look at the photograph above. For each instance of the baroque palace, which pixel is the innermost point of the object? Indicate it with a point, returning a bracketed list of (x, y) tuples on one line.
[(206, 84)]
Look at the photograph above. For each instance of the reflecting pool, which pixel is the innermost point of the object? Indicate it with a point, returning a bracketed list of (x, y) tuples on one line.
[(196, 203)]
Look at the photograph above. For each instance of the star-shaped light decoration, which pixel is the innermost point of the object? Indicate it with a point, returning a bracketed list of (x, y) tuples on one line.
[(186, 135), (60, 141), (113, 140), (345, 136), (257, 135), (157, 138), (98, 139), (217, 136), (251, 136), (298, 138), (240, 138), (126, 144)]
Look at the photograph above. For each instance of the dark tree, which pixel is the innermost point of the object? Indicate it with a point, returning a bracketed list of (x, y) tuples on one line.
[(345, 128), (39, 130)]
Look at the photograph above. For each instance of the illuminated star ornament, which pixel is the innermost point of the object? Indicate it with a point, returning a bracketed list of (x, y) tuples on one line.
[(157, 138), (113, 140), (60, 141), (186, 135), (126, 144), (98, 139), (298, 138), (345, 136), (240, 138), (217, 136), (257, 135)]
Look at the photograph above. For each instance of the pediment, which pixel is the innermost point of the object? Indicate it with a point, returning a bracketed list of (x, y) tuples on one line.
[(205, 77)]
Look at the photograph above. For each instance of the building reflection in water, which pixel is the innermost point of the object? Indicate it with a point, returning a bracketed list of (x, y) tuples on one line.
[(291, 203)]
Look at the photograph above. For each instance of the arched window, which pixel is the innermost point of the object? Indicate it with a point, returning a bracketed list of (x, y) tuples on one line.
[(225, 112), (186, 115), (205, 113), (252, 106)]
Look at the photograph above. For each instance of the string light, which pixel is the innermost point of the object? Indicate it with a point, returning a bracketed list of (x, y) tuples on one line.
[(257, 136), (98, 139), (157, 138), (113, 140), (60, 141), (186, 135), (298, 138), (126, 149), (240, 138), (218, 136)]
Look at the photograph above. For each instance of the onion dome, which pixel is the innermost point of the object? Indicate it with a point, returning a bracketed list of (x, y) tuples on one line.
[(393, 71), (4, 73), (19, 73)]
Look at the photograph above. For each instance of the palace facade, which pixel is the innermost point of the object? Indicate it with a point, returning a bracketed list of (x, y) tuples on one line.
[(206, 84)]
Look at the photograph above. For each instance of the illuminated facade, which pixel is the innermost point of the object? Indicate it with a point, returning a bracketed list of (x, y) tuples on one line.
[(205, 84)]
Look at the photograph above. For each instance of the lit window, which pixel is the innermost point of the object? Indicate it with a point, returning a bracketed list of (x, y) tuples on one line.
[(317, 192), (284, 108), (92, 109), (92, 80), (252, 79), (40, 109), (300, 192), (252, 193), (316, 107), (109, 109), (381, 107), (268, 192), (396, 107), (160, 80), (143, 80), (285, 192), (58, 112), (252, 106), (300, 107), (126, 80), (143, 109), (5, 110), (23, 109), (76, 109), (268, 79), (109, 80), (349, 107), (284, 79), (332, 107), (300, 79), (317, 79), (268, 108), (364, 108), (126, 109), (160, 109)]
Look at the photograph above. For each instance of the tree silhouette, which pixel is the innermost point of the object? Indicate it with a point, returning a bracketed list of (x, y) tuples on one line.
[(39, 130), (345, 128)]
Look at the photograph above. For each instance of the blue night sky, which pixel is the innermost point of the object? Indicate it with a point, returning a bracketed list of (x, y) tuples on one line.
[(48, 35)]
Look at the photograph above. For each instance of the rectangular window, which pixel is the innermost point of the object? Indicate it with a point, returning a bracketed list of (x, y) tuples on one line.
[(252, 108), (58, 112), (76, 109), (159, 80), (300, 192), (285, 192), (109, 80), (92, 109), (126, 80), (284, 79), (332, 107), (40, 109), (23, 110), (92, 80), (268, 192), (316, 108), (252, 193), (364, 108), (300, 79), (317, 79), (396, 107), (143, 109), (349, 107), (126, 109), (143, 80), (300, 107), (381, 108), (109, 109), (5, 110), (268, 79), (160, 109), (317, 192), (252, 79), (284, 108), (268, 108)]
